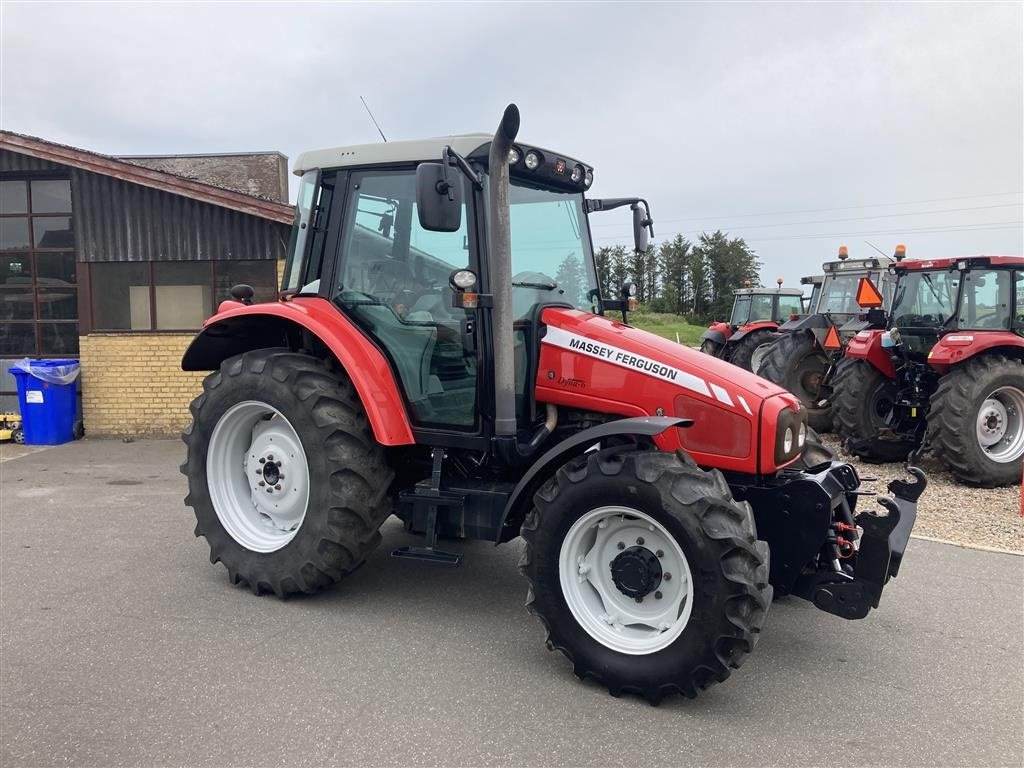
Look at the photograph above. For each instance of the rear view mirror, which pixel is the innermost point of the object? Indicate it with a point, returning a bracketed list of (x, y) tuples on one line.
[(438, 200), (642, 225)]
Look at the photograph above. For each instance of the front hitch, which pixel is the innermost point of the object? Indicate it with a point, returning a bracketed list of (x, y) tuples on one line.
[(808, 519), (883, 540)]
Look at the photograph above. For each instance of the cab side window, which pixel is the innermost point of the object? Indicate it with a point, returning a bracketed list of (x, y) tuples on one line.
[(393, 281)]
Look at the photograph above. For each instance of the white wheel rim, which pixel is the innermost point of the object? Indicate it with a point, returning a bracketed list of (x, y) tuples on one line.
[(758, 355), (607, 614), (258, 476), (1000, 425)]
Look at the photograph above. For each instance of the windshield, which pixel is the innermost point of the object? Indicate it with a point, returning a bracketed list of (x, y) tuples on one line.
[(551, 252), (839, 292), (751, 308), (925, 299)]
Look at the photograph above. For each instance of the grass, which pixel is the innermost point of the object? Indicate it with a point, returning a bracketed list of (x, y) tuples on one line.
[(667, 326)]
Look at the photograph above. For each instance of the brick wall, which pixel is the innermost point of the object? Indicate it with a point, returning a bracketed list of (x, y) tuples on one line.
[(133, 385)]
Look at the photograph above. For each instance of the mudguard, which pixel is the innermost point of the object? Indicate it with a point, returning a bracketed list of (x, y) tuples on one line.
[(867, 345), (714, 335), (238, 328), (546, 466), (957, 347), (767, 325)]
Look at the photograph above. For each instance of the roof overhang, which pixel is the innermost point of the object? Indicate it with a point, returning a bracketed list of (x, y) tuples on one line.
[(136, 174)]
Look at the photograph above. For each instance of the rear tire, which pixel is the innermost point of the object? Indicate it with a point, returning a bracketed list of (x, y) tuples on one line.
[(796, 362), (690, 516), (862, 395), (977, 403), (743, 350), (323, 441)]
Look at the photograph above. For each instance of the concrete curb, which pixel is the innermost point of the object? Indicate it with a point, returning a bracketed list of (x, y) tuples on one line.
[(960, 544)]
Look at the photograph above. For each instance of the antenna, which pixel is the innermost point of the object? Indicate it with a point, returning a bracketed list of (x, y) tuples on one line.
[(374, 120), (877, 249)]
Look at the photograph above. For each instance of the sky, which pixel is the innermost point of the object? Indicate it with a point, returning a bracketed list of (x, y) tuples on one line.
[(798, 127)]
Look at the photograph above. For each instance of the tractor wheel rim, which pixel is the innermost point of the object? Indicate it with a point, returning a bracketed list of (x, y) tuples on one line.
[(258, 476), (626, 580), (758, 355), (1000, 425)]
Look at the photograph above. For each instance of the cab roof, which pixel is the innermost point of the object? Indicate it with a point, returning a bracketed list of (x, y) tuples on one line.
[(919, 265), (768, 291), (390, 152)]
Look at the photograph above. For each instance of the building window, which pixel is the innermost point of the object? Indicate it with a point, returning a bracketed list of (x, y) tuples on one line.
[(38, 272), (171, 295)]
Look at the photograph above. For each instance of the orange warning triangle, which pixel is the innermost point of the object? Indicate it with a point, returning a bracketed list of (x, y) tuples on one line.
[(867, 294), (832, 339)]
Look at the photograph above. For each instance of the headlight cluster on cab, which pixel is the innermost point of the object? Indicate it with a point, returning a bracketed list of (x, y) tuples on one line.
[(529, 161), (790, 435)]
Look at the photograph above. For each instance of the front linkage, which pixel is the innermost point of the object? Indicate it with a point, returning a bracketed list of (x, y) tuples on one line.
[(821, 549)]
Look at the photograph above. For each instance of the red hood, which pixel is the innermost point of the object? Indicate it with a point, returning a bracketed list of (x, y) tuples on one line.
[(604, 330)]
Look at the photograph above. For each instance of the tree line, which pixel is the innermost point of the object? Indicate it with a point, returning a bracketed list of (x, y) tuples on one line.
[(679, 276)]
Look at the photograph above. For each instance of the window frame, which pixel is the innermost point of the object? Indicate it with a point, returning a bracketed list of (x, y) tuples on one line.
[(87, 319), (33, 251)]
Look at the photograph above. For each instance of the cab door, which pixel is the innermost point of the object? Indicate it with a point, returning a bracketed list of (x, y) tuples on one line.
[(391, 279)]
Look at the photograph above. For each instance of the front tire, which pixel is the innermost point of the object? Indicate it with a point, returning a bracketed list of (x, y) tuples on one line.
[(286, 480), (976, 421), (796, 362), (709, 347), (744, 350), (636, 621), (863, 396)]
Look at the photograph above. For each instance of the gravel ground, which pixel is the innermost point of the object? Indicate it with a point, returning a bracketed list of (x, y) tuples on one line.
[(971, 517)]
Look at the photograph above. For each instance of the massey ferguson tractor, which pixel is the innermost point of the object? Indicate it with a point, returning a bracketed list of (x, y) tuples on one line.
[(423, 362), (803, 352), (756, 314), (944, 371)]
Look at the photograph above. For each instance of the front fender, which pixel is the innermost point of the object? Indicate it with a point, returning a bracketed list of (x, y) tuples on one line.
[(715, 335), (546, 466), (240, 328)]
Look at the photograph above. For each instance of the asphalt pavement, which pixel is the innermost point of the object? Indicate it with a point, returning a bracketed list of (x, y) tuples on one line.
[(121, 645)]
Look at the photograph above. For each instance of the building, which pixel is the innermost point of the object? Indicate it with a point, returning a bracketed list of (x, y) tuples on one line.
[(118, 260)]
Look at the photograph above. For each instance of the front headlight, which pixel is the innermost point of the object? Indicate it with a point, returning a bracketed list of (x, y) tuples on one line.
[(790, 435)]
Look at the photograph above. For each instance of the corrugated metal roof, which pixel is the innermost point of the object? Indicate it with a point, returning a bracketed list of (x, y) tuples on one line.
[(43, 150)]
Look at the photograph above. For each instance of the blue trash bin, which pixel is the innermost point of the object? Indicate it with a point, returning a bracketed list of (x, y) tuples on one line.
[(47, 397)]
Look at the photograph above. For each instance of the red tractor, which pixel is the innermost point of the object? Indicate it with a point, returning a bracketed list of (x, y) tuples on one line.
[(756, 314), (422, 362), (802, 355), (947, 375)]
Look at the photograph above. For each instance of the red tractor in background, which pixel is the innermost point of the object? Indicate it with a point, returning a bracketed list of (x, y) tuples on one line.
[(756, 314), (802, 354), (422, 363), (943, 371)]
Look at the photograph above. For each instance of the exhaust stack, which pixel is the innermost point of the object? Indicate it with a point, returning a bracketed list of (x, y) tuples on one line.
[(500, 247)]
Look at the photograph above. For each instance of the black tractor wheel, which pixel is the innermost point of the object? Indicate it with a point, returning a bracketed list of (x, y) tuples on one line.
[(750, 349), (646, 573), (863, 398), (976, 421), (709, 347), (796, 362), (287, 483)]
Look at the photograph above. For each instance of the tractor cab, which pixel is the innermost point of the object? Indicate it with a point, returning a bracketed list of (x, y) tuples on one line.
[(949, 296), (754, 305)]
